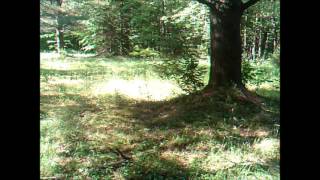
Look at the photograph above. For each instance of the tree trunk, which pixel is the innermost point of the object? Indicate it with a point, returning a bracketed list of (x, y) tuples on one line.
[(59, 28), (59, 34), (260, 44), (59, 39), (275, 40), (124, 30), (253, 51), (162, 26), (245, 36), (263, 43), (225, 43), (273, 43)]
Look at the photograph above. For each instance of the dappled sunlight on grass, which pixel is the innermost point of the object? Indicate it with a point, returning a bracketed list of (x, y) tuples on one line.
[(130, 124), (58, 65), (267, 86), (49, 55), (54, 55), (66, 82), (184, 158)]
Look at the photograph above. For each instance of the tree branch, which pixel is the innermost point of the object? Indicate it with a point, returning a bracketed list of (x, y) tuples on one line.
[(206, 2), (248, 4)]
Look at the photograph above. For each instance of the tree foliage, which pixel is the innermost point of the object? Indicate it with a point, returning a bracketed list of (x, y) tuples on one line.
[(175, 30), (165, 26)]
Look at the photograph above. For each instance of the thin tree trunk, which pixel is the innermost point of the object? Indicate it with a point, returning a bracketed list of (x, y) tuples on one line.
[(245, 36), (59, 35), (275, 40), (212, 41), (253, 50), (124, 31), (274, 44), (255, 42), (59, 40), (59, 29), (162, 26), (275, 30), (260, 44), (245, 40), (263, 43)]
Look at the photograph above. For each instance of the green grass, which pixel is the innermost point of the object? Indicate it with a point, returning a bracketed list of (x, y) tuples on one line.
[(94, 108)]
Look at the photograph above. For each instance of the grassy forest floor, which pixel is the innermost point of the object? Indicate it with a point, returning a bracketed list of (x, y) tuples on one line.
[(114, 118)]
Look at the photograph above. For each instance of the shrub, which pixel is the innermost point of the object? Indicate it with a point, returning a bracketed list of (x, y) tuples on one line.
[(247, 71), (143, 53), (185, 71), (275, 57), (256, 73)]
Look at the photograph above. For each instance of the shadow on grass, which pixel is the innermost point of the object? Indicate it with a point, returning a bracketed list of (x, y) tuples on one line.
[(198, 111), (68, 109), (144, 130)]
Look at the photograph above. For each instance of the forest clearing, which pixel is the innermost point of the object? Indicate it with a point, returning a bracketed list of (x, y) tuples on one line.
[(157, 89)]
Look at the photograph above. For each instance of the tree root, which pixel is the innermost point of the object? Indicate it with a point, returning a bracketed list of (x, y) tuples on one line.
[(250, 96), (240, 93), (122, 155)]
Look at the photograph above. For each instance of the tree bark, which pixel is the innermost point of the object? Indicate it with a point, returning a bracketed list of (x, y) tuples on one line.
[(225, 19), (225, 47)]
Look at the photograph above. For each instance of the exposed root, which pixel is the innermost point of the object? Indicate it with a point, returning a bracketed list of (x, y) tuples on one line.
[(239, 92), (123, 156), (250, 96)]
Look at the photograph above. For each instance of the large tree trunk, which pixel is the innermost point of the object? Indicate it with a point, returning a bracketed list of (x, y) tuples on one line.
[(226, 50), (225, 70)]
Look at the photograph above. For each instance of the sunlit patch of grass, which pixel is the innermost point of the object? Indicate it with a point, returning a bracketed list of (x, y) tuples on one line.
[(49, 55), (59, 65), (138, 89), (54, 55), (267, 147), (131, 78)]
